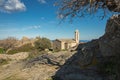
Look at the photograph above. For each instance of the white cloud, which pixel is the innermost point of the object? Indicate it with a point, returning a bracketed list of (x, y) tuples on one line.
[(35, 27), (12, 6), (42, 1), (31, 27)]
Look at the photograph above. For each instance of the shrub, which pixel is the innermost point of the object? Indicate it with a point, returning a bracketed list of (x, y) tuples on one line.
[(3, 61), (1, 50), (42, 44), (24, 48), (34, 54)]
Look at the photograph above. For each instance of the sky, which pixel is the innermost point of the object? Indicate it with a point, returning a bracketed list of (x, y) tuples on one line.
[(33, 18)]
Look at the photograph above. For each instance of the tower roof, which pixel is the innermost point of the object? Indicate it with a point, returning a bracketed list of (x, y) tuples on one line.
[(76, 30)]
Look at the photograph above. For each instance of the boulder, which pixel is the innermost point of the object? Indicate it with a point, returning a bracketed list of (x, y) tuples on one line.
[(88, 51), (109, 43), (56, 59), (84, 64)]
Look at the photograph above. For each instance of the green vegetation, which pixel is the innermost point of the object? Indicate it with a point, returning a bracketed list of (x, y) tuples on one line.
[(35, 53), (1, 50), (56, 50), (42, 44), (3, 62), (24, 48)]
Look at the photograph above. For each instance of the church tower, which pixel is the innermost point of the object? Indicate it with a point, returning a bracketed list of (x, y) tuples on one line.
[(77, 36)]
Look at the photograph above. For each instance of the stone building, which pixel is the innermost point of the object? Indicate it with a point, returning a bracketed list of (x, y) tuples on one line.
[(63, 44)]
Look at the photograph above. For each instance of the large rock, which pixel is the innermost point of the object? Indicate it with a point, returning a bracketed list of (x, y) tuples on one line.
[(56, 59), (80, 66), (110, 42), (89, 51), (83, 64)]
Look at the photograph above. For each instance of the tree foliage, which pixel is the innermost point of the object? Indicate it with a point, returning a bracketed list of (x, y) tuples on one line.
[(42, 44), (73, 8)]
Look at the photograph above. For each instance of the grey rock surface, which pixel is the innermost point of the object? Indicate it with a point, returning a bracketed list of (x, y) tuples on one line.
[(83, 64), (110, 42)]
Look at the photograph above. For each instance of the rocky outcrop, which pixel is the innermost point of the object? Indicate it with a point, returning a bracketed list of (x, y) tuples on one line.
[(81, 66), (17, 56), (110, 42), (40, 68), (84, 64), (49, 59)]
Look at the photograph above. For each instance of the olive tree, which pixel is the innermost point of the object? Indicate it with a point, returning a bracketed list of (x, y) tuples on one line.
[(42, 44), (78, 8)]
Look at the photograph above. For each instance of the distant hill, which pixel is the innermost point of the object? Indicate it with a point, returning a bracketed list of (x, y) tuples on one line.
[(84, 40)]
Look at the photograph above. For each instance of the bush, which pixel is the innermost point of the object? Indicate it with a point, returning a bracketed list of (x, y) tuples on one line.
[(42, 44), (3, 61), (1, 50), (24, 48), (34, 54)]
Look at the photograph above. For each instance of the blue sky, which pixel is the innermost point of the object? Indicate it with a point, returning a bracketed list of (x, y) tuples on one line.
[(33, 18)]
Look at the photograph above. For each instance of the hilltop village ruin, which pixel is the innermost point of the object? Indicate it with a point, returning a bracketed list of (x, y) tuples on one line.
[(64, 44)]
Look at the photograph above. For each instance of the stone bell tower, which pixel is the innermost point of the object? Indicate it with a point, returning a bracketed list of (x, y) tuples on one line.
[(77, 36)]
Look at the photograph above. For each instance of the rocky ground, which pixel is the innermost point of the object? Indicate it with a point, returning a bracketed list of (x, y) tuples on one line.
[(39, 68)]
